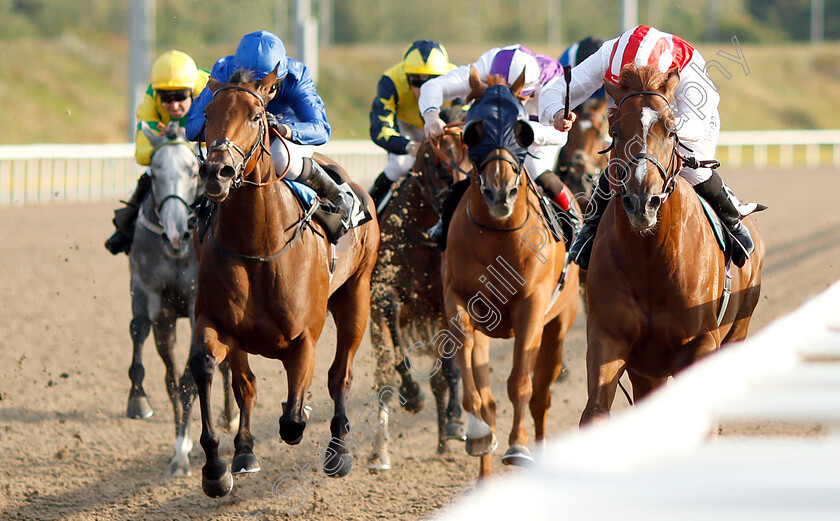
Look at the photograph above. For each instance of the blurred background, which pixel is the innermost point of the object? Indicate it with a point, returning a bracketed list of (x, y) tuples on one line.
[(70, 71)]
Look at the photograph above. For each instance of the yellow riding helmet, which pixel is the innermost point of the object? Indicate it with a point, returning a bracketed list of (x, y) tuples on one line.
[(174, 70), (426, 57)]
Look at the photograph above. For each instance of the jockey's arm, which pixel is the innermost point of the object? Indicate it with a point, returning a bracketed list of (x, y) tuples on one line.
[(696, 101), (384, 130), (453, 84), (308, 116), (195, 117), (147, 112), (587, 78)]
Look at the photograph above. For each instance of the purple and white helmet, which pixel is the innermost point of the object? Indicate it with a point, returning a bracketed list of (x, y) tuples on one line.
[(509, 63)]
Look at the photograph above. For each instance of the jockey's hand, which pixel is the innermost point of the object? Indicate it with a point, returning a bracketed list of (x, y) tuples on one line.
[(272, 121), (411, 149), (173, 126), (434, 126), (562, 124)]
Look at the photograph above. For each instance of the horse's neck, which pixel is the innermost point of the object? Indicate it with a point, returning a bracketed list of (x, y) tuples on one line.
[(670, 238), (255, 220)]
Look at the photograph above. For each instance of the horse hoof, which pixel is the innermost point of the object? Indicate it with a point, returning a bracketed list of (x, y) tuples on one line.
[(454, 430), (229, 424), (291, 432), (414, 397), (218, 487), (481, 446), (178, 470), (338, 465), (139, 408), (563, 376), (379, 462), (518, 456), (245, 463)]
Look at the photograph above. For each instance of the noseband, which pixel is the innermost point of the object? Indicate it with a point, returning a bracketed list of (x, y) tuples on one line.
[(226, 145), (157, 205), (512, 159)]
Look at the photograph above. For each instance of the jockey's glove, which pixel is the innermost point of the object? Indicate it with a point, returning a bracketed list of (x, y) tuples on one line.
[(272, 121), (433, 126)]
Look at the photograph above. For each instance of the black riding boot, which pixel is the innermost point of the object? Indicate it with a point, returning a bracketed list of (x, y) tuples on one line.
[(554, 189), (440, 229), (725, 205), (379, 190), (316, 178), (126, 217), (581, 248)]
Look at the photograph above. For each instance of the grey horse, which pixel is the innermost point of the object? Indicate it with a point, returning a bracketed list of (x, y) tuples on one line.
[(163, 281)]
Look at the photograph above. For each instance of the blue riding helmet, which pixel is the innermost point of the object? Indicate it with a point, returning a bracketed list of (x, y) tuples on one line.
[(261, 52)]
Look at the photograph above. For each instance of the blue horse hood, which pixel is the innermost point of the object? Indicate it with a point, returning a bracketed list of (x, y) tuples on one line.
[(498, 110)]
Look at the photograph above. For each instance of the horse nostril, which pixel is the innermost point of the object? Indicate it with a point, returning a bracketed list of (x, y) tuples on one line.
[(627, 202), (654, 203), (514, 191)]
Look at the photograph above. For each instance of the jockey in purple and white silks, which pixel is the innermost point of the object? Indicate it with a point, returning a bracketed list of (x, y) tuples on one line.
[(695, 108), (541, 71)]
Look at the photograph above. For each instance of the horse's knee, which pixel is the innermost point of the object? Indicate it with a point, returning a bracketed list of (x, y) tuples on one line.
[(202, 365), (140, 327)]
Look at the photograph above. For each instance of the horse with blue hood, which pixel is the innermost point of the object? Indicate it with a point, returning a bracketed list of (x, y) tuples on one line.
[(500, 275)]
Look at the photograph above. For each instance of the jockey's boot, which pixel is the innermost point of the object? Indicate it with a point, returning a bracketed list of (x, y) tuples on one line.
[(581, 248), (440, 229), (554, 189), (315, 177), (381, 186), (126, 217), (725, 204)]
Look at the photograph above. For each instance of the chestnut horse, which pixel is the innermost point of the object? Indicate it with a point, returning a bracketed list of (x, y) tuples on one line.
[(407, 293), (500, 277), (657, 278), (265, 284), (579, 162)]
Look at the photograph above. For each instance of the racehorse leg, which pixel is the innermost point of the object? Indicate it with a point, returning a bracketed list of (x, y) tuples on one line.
[(138, 403), (300, 367), (643, 386), (164, 328), (228, 420), (528, 329), (216, 479), (481, 375), (350, 307), (245, 390), (445, 383), (380, 339), (548, 365), (604, 366), (179, 465)]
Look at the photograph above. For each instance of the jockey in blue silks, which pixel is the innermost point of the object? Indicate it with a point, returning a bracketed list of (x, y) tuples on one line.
[(295, 110)]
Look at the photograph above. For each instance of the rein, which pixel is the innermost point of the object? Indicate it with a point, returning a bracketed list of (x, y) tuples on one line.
[(447, 163), (154, 225)]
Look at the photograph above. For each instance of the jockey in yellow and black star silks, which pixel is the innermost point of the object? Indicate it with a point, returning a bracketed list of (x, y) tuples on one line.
[(395, 121)]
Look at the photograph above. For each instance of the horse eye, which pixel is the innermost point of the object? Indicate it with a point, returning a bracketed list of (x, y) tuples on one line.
[(258, 116)]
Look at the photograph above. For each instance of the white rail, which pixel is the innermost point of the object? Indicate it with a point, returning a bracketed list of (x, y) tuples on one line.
[(37, 174), (659, 460)]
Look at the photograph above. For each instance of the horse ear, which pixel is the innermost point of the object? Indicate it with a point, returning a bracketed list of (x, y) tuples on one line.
[(477, 88), (516, 88), (615, 91), (524, 133), (153, 137), (213, 84), (669, 86), (473, 133)]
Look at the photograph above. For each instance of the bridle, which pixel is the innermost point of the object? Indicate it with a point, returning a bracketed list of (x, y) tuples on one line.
[(670, 175), (226, 145), (448, 164), (518, 168), (157, 205)]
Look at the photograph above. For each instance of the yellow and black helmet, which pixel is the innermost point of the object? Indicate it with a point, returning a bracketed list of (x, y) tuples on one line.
[(425, 57), (174, 70)]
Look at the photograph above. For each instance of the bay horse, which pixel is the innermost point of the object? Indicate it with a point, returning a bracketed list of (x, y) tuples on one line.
[(266, 279), (657, 277), (500, 277), (579, 162), (407, 293), (164, 270)]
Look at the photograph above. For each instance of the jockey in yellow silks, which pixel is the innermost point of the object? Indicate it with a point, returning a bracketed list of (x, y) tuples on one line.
[(175, 82)]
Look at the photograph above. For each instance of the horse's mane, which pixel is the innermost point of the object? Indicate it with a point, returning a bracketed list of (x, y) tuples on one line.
[(641, 78), (240, 76), (492, 79)]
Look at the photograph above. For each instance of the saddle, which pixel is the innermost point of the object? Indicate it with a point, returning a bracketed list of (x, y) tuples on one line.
[(564, 224)]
